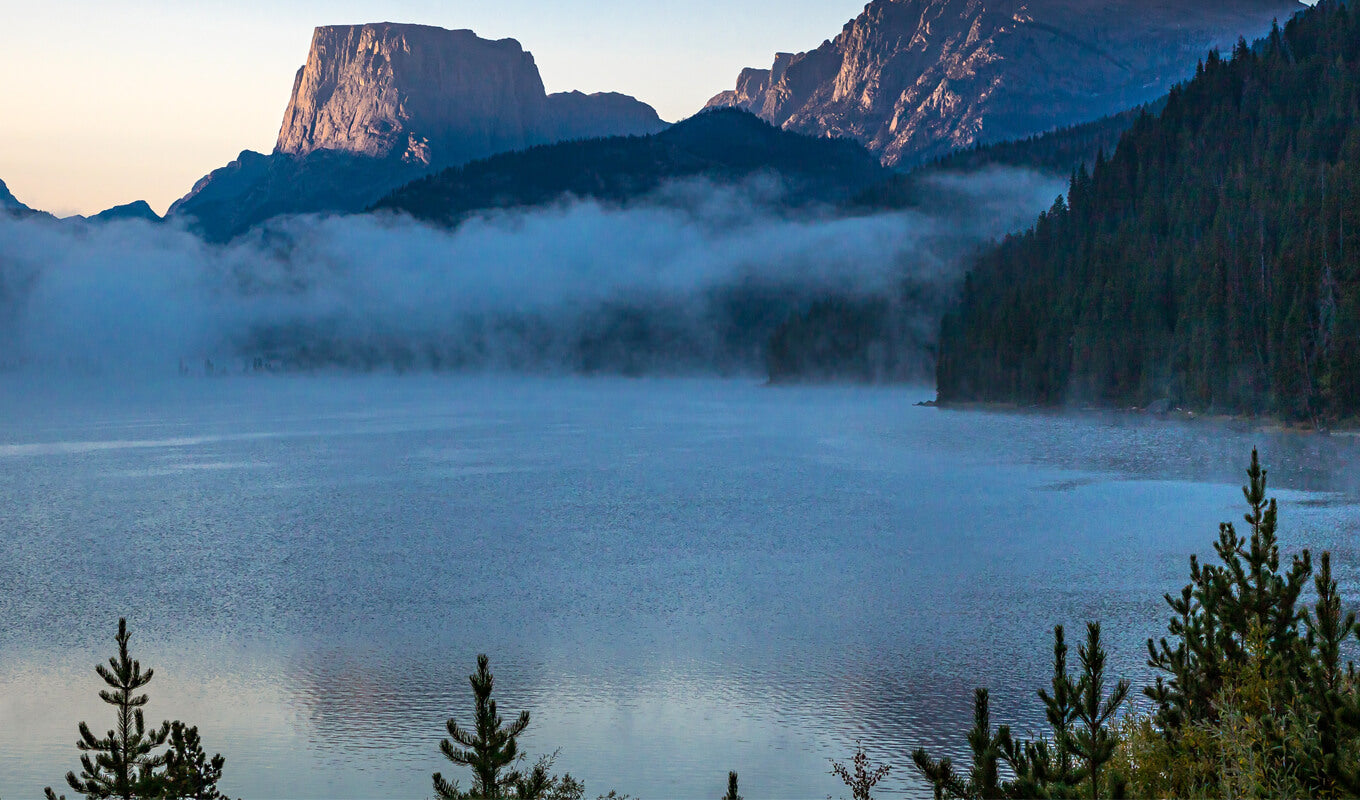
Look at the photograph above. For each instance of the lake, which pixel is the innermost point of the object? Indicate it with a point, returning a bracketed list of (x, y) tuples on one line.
[(676, 577)]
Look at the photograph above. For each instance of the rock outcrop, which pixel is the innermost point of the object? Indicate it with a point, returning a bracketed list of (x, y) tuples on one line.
[(376, 106), (915, 79)]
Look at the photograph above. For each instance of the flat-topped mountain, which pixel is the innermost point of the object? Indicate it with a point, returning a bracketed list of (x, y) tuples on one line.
[(376, 106), (427, 94), (915, 79)]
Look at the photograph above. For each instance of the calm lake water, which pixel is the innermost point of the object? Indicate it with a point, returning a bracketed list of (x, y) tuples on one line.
[(676, 577)]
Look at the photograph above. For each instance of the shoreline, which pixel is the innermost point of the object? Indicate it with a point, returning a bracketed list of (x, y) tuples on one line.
[(1263, 424)]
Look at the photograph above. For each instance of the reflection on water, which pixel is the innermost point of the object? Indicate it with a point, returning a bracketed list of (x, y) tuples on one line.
[(676, 577)]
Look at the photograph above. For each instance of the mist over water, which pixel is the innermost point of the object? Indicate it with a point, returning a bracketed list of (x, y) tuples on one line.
[(504, 289), (299, 555)]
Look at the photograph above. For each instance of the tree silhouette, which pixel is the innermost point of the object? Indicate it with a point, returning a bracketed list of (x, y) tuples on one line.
[(489, 749), (122, 764)]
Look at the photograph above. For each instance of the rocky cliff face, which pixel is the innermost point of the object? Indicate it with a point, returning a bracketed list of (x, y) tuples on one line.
[(427, 94), (914, 79), (376, 106)]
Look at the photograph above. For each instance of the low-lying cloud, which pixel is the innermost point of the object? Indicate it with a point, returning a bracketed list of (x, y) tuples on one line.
[(514, 289)]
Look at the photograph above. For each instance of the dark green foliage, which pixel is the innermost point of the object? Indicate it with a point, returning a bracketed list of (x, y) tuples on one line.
[(1333, 696), (1070, 762), (490, 749), (721, 145), (1252, 701), (123, 763), (833, 338), (1229, 614), (1211, 262), (1058, 152), (983, 781), (127, 763), (1092, 741), (732, 792), (1245, 654), (859, 338), (189, 773)]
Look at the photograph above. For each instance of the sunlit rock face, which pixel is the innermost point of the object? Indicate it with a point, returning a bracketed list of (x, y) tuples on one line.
[(914, 79), (428, 94), (376, 106)]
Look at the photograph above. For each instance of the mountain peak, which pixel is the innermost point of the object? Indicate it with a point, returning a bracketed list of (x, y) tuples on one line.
[(378, 105), (389, 89), (915, 79), (10, 204), (138, 209)]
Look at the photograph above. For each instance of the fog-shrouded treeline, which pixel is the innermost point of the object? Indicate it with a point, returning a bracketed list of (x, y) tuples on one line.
[(696, 279), (1254, 695), (1211, 262)]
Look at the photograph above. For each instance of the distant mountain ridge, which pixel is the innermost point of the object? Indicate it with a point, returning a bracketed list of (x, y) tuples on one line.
[(378, 105), (11, 205), (916, 79), (724, 146), (138, 209)]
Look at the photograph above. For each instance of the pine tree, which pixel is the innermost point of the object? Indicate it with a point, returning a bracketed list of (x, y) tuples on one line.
[(732, 793), (123, 763), (984, 775), (1332, 688), (189, 773), (1093, 741), (1079, 714), (1218, 612), (488, 750), (1043, 767)]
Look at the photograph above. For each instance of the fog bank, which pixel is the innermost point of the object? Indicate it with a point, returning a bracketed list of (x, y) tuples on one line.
[(691, 282)]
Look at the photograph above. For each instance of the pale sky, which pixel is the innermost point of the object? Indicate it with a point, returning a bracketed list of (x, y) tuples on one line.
[(121, 100)]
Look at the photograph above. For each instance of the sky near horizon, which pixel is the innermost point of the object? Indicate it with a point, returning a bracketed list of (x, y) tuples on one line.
[(111, 102)]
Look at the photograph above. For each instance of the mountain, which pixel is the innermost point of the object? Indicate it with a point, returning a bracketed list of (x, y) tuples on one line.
[(1211, 263), (1058, 152), (136, 210), (10, 204), (916, 79), (723, 145), (376, 106)]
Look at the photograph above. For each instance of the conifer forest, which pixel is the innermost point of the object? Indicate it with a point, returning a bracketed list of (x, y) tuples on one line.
[(1208, 262)]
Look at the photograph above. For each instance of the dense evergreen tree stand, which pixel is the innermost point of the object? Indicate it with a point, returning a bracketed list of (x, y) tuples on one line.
[(1211, 263)]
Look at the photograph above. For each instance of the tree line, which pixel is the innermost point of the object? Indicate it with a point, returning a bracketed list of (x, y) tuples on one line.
[(1211, 262)]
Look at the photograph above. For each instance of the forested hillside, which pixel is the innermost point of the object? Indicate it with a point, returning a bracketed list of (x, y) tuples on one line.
[(724, 146), (893, 337), (1059, 152), (1211, 262)]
